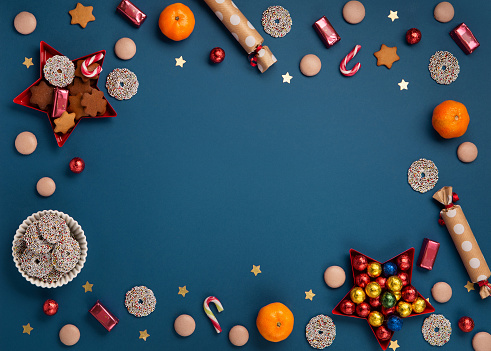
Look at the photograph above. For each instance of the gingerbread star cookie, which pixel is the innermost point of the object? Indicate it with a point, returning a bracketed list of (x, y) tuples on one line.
[(81, 15), (64, 123), (386, 56), (42, 95), (94, 103), (75, 106)]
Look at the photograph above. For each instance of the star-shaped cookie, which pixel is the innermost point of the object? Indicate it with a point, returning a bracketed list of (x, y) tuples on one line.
[(64, 123), (386, 56), (94, 103), (42, 95), (79, 86), (75, 106), (81, 15)]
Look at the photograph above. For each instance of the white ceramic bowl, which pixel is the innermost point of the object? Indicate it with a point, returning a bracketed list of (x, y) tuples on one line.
[(77, 233)]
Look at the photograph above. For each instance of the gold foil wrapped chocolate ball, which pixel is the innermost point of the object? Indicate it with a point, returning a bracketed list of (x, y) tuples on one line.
[(419, 305), (357, 295), (374, 269), (404, 309), (394, 283), (397, 294), (373, 289), (375, 319)]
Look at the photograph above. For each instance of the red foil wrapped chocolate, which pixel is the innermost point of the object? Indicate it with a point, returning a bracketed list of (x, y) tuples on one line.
[(326, 32), (131, 12), (60, 102), (427, 255), (464, 38), (106, 318)]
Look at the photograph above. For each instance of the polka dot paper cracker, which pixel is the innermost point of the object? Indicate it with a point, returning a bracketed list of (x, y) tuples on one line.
[(464, 241)]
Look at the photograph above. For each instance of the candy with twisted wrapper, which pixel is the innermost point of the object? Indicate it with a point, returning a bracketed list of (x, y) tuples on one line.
[(464, 240)]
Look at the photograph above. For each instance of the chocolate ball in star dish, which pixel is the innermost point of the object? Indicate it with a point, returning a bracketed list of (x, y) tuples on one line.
[(375, 319), (394, 323), (363, 310), (357, 295), (381, 281), (360, 262), (375, 302), (404, 309), (404, 262), (394, 283), (404, 277), (388, 311), (389, 268), (362, 280), (409, 294), (374, 269), (373, 289), (388, 299), (383, 333), (419, 305), (347, 307)]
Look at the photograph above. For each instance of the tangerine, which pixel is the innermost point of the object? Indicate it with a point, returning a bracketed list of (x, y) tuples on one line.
[(176, 21), (450, 119), (275, 322)]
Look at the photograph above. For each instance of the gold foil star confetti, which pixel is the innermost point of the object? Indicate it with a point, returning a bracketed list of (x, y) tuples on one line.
[(183, 291), (256, 270), (469, 286), (393, 345), (403, 85), (309, 295), (88, 287), (28, 62), (286, 78), (180, 61), (27, 329), (144, 335), (393, 15)]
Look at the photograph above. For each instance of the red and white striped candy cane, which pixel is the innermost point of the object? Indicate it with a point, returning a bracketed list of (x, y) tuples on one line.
[(84, 68), (210, 314), (342, 66)]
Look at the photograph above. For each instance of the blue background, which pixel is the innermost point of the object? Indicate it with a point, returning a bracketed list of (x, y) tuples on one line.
[(210, 169)]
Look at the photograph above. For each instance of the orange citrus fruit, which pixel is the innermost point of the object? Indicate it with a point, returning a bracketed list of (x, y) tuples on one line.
[(275, 322), (450, 119), (176, 21)]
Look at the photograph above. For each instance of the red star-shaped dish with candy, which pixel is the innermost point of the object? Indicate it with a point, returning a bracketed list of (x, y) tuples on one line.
[(392, 278), (24, 98)]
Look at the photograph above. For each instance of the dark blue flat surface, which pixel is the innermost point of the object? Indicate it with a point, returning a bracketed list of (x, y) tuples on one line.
[(211, 169)]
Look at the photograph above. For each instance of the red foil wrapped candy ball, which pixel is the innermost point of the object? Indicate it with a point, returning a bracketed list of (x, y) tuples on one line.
[(466, 324), (404, 277), (360, 262), (383, 333), (362, 280), (375, 301), (217, 55), (404, 262), (409, 294), (347, 307), (50, 307), (381, 281), (77, 165), (363, 310), (413, 36)]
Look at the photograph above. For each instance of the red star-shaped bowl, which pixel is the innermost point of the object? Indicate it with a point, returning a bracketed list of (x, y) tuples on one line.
[(429, 309), (45, 52)]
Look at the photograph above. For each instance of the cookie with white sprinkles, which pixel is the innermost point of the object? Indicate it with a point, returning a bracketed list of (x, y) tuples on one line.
[(320, 332), (66, 254), (122, 84), (59, 71), (36, 264), (53, 228), (140, 301), (34, 241)]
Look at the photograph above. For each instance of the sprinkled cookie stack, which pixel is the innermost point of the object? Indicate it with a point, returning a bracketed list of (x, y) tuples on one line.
[(47, 250)]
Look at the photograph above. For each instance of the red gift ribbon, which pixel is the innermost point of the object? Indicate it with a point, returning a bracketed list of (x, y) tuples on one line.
[(484, 283), (252, 56), (455, 198)]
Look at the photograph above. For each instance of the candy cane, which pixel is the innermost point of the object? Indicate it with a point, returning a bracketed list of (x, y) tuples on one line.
[(84, 69), (342, 66), (210, 314)]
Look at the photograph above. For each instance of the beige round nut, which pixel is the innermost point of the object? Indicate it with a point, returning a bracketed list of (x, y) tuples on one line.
[(46, 186), (334, 276), (444, 12), (69, 335), (442, 292), (481, 341), (125, 48), (26, 143), (25, 22), (238, 335), (184, 325), (467, 152), (310, 65), (353, 12)]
